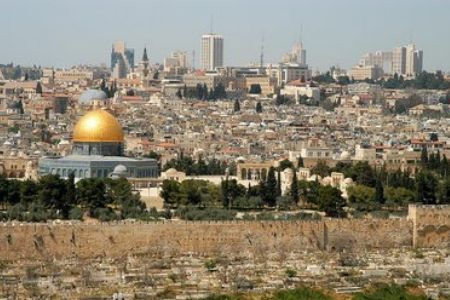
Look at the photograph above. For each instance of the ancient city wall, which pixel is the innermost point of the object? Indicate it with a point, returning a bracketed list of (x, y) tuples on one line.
[(426, 226), (431, 225), (239, 238)]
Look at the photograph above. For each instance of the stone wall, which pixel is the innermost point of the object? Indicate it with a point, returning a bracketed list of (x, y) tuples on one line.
[(431, 225), (234, 239), (426, 226)]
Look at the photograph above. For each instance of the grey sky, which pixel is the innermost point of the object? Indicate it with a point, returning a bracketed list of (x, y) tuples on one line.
[(64, 33)]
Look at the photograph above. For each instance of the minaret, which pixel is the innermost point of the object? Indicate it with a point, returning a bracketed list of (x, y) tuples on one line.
[(145, 63)]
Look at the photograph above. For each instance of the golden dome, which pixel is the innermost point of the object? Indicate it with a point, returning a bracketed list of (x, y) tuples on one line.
[(98, 126)]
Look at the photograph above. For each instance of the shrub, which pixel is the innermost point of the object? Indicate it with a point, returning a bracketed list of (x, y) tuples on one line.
[(76, 214), (388, 292), (194, 213), (210, 265), (290, 272), (17, 212), (105, 214), (300, 293)]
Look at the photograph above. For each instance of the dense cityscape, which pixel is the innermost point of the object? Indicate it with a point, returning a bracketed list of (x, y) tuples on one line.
[(189, 178)]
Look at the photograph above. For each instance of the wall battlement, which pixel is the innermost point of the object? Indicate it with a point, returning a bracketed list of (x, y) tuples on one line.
[(424, 227), (431, 225)]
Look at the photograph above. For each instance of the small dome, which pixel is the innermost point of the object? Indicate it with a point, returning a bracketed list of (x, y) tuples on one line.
[(90, 95), (120, 169), (348, 180), (327, 180), (345, 155), (171, 170)]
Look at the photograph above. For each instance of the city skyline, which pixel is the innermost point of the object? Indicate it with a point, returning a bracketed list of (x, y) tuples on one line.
[(333, 33)]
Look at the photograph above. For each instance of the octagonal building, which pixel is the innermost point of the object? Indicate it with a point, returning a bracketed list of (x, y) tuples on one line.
[(98, 151)]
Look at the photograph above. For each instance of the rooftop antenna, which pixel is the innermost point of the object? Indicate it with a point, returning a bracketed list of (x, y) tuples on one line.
[(261, 58), (193, 59), (211, 24), (300, 37)]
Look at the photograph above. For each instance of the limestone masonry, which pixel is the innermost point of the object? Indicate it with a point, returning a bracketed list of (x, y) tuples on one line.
[(426, 226)]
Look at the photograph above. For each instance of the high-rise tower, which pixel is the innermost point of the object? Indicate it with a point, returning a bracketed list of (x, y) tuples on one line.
[(212, 51), (122, 59)]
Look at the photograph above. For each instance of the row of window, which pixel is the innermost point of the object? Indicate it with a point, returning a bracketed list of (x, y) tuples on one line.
[(82, 173)]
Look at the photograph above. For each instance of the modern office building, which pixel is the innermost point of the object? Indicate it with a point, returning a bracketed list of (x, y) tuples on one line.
[(399, 60), (413, 61), (296, 55), (212, 51), (122, 60), (360, 72), (403, 60), (178, 60)]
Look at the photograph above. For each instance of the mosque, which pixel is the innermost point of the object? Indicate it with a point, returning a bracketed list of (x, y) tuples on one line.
[(98, 151)]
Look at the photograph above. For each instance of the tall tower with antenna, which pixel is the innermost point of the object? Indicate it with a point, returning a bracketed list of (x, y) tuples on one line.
[(261, 58)]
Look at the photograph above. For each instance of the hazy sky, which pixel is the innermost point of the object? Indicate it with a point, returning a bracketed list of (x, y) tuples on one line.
[(64, 33)]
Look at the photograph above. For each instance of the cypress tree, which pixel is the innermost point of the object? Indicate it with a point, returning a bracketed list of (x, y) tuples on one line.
[(279, 183), (71, 193), (259, 107), (269, 191), (379, 192), (444, 166), (237, 106), (424, 157), (300, 163), (39, 88), (294, 188)]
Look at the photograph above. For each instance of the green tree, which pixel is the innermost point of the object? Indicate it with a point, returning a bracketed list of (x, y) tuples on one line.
[(427, 184), (39, 88), (91, 194), (171, 193), (294, 193), (398, 197), (120, 192), (28, 191), (269, 190), (444, 191), (259, 108), (434, 137), (13, 192), (3, 190), (331, 202), (231, 191), (379, 192), (236, 106), (285, 164), (71, 192), (178, 94), (185, 91), (361, 197), (300, 163), (363, 173), (321, 168), (279, 192), (52, 193), (424, 158)]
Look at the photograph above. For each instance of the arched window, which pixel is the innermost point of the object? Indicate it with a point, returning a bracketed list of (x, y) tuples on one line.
[(243, 173)]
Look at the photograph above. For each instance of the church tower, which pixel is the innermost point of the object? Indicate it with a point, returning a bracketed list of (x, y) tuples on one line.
[(145, 64)]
